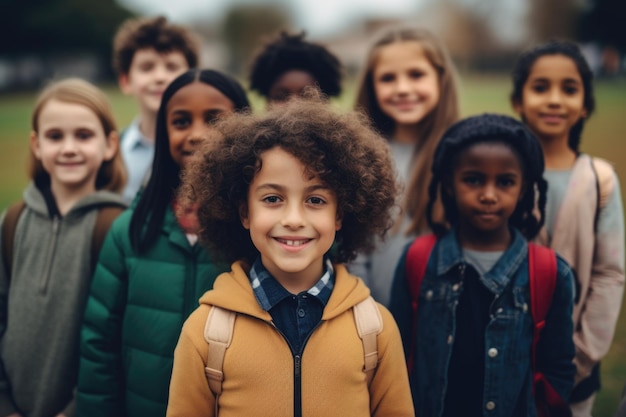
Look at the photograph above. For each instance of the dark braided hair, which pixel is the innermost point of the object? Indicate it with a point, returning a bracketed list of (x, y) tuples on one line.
[(490, 128), (290, 52), (524, 65)]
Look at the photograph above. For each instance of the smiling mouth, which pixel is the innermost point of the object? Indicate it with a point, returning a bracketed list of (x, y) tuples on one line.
[(293, 242)]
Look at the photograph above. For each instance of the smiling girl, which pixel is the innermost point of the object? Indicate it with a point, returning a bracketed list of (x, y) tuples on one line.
[(76, 171), (553, 94), (152, 271), (408, 90)]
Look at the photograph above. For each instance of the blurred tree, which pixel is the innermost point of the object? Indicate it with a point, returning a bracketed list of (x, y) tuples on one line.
[(603, 22), (245, 26), (48, 28), (553, 18)]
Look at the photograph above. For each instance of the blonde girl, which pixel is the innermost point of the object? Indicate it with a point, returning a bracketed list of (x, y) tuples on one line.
[(75, 170), (409, 91)]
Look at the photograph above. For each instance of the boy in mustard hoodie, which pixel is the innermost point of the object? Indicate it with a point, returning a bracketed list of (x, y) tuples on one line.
[(289, 197)]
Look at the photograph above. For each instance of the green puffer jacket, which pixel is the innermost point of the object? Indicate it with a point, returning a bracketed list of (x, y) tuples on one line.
[(134, 315)]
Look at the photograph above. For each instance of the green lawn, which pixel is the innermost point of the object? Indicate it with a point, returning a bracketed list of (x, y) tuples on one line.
[(604, 136)]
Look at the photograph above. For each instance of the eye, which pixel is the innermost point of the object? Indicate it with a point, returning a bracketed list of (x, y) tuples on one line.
[(416, 74), (212, 117), (539, 88), (54, 135), (316, 201), (386, 78), (180, 122), (84, 134), (172, 67), (570, 89), (146, 66), (506, 182), (271, 199), (472, 180)]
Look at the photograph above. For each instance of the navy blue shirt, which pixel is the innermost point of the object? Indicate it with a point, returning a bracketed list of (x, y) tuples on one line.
[(295, 316)]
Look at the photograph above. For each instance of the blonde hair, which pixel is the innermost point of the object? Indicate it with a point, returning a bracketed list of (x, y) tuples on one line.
[(112, 173), (431, 128)]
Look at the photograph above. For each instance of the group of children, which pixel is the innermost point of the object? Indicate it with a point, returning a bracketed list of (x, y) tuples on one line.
[(285, 224)]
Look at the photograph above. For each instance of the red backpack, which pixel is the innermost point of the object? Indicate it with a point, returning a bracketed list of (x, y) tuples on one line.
[(542, 277)]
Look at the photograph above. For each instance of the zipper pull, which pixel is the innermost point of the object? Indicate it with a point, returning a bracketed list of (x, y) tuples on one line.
[(297, 364)]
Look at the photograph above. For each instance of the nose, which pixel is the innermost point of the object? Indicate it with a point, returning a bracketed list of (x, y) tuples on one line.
[(197, 133), (293, 216), (402, 84), (554, 96), (68, 146), (489, 195)]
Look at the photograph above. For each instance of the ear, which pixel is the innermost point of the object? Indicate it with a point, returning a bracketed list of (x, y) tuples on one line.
[(584, 113), (338, 221), (517, 106), (112, 145), (243, 216), (34, 144), (124, 82)]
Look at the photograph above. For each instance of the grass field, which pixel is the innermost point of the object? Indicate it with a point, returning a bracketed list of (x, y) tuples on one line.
[(605, 136)]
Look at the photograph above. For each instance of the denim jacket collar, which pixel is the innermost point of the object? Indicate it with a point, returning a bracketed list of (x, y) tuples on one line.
[(450, 255)]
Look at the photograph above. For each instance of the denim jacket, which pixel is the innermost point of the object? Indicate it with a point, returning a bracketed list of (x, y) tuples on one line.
[(507, 388)]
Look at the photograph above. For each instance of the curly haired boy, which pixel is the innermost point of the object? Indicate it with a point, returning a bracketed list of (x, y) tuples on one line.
[(148, 53), (275, 193)]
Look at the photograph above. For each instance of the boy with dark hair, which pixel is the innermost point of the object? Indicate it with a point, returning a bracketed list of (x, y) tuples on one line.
[(148, 53), (274, 193)]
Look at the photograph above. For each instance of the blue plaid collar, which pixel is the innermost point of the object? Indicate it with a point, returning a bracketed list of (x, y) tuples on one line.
[(269, 292)]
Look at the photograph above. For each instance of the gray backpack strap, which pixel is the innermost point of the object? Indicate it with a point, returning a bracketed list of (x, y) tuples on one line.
[(369, 324), (218, 332)]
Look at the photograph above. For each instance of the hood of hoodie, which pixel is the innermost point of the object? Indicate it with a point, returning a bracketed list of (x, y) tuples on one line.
[(35, 200), (233, 291)]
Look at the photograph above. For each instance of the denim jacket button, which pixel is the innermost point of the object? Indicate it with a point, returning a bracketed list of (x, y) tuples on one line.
[(455, 287), (429, 294), (450, 339), (490, 405), (525, 307), (493, 352)]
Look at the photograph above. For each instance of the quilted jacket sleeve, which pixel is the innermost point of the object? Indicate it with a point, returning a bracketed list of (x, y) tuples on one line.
[(101, 382)]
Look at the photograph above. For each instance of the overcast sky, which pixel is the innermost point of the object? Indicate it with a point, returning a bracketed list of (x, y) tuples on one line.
[(317, 17)]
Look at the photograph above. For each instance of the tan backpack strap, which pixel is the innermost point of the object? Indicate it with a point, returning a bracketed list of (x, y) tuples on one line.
[(9, 225), (369, 324), (218, 332), (604, 175), (106, 215)]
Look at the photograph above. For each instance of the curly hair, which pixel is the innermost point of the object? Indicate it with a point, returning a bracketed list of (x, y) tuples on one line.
[(339, 148), (525, 63), (289, 52), (499, 129), (154, 32)]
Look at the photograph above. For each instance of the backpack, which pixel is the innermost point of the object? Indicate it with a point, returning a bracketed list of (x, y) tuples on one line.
[(542, 269), (603, 173), (218, 332), (106, 215)]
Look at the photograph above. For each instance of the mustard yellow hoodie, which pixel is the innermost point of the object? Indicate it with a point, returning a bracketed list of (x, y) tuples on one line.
[(259, 371)]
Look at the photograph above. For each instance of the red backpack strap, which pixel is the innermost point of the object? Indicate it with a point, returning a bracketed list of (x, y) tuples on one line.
[(542, 271), (416, 262)]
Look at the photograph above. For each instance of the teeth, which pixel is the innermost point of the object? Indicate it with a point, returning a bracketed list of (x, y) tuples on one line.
[(292, 242)]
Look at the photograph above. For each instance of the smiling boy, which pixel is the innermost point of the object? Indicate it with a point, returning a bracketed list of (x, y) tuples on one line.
[(148, 53)]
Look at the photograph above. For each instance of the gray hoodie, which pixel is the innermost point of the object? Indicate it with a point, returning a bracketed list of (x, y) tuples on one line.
[(42, 303)]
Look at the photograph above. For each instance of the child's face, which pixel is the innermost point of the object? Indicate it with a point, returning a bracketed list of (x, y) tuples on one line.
[(487, 184), (552, 97), (291, 83), (71, 145), (149, 74), (190, 113), (292, 219), (405, 82)]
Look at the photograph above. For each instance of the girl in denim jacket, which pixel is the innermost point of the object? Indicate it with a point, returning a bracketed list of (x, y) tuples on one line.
[(474, 325)]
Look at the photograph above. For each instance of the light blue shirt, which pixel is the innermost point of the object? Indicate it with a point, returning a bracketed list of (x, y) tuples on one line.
[(138, 153)]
